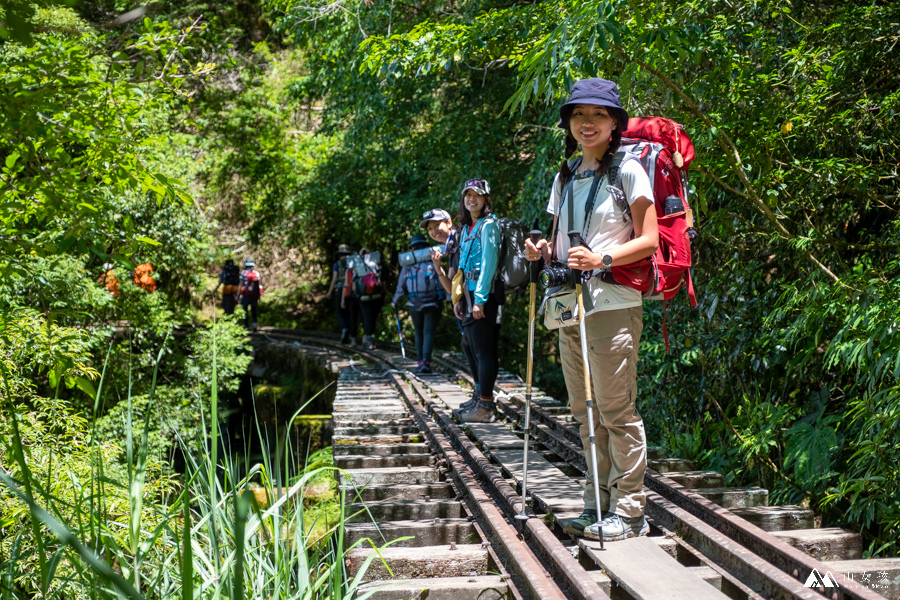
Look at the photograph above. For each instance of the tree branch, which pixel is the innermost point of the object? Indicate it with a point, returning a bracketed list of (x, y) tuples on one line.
[(712, 176), (734, 158)]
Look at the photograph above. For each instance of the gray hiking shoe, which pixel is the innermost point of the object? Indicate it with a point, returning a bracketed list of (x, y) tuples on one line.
[(482, 413), (615, 527), (467, 405)]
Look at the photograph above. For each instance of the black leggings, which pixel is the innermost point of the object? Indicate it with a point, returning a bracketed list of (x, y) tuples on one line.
[(370, 310), (470, 358), (483, 336), (346, 316)]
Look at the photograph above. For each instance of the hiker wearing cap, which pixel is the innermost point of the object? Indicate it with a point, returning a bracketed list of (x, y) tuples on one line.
[(439, 225), (593, 119), (478, 308), (251, 292), (230, 282), (345, 304), (420, 283)]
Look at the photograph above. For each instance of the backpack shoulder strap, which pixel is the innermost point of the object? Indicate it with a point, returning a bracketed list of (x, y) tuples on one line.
[(614, 187), (573, 166)]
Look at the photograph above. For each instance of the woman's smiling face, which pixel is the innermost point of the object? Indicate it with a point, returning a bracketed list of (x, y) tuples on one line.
[(474, 203), (591, 125)]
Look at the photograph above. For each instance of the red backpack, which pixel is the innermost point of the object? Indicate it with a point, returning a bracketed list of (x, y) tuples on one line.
[(251, 288), (665, 151)]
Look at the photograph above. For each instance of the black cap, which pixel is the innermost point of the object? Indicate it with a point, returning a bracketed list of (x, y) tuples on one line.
[(597, 91)]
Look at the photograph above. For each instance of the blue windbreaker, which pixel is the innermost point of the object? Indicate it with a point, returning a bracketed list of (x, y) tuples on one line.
[(479, 250)]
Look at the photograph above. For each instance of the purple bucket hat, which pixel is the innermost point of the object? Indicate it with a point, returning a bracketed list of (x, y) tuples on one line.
[(598, 91)]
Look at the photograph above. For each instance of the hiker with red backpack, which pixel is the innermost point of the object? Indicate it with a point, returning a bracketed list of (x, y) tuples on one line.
[(598, 227), (368, 291), (251, 292)]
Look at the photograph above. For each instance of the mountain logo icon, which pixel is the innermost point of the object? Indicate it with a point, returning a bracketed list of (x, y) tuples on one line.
[(816, 579)]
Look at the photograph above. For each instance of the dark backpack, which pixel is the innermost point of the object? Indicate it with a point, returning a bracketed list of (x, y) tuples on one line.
[(232, 275), (512, 267)]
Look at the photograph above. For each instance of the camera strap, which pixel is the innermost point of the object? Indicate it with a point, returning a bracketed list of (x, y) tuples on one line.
[(568, 194)]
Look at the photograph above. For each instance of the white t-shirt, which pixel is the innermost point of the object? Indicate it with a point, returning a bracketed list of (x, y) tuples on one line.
[(607, 228)]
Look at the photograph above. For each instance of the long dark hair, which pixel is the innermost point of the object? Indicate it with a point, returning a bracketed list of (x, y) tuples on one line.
[(465, 219), (572, 145)]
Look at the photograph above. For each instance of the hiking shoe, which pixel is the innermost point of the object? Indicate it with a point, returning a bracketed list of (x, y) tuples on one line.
[(615, 527), (577, 526), (482, 413), (345, 336), (468, 404), (367, 343), (425, 369)]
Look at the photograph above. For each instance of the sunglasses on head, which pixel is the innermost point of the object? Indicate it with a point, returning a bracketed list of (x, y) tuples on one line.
[(428, 214)]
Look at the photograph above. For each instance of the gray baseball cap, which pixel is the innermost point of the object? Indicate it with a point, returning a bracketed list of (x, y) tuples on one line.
[(435, 214), (480, 186)]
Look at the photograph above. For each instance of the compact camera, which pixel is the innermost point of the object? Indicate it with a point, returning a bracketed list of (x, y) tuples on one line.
[(556, 274)]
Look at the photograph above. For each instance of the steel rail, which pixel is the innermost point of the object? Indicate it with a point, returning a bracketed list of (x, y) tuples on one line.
[(523, 565), (757, 558), (718, 532), (521, 561)]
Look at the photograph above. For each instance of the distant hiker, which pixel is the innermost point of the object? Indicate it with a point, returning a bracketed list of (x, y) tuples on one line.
[(230, 281), (439, 225), (479, 306), (419, 281), (345, 305), (251, 292), (368, 291), (594, 119)]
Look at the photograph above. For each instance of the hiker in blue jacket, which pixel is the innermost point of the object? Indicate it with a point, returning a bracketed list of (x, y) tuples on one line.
[(479, 308), (420, 283)]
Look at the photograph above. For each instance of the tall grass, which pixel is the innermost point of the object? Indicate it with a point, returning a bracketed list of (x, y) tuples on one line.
[(209, 539)]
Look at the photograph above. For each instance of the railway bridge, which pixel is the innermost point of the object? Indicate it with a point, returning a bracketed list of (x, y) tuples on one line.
[(438, 501)]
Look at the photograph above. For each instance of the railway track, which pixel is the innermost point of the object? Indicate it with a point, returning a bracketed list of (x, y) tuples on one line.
[(411, 472)]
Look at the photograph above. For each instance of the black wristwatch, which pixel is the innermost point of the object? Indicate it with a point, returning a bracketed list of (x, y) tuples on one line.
[(606, 259)]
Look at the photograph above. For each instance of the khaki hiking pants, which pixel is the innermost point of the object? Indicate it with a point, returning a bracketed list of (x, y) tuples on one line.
[(613, 338)]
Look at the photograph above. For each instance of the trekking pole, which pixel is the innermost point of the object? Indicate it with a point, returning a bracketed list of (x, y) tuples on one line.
[(532, 289), (400, 333), (574, 241)]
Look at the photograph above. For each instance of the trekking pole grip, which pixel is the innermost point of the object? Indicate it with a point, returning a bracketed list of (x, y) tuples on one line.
[(535, 266), (574, 241)]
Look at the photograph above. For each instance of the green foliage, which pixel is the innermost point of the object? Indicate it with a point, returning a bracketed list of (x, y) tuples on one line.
[(793, 113), (114, 533)]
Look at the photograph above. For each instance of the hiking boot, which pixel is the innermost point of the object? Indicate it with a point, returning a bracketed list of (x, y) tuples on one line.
[(577, 526), (615, 527), (482, 413), (425, 368), (367, 343), (468, 404), (345, 336)]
